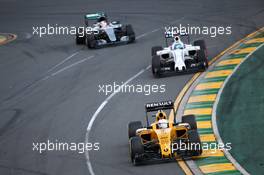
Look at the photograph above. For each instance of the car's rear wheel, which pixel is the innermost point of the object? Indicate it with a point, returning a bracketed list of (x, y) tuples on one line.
[(155, 49), (136, 149), (202, 53), (195, 147), (130, 33), (86, 21), (190, 119), (156, 66), (133, 127), (80, 36)]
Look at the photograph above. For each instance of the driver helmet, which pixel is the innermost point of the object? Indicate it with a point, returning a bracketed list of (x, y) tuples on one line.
[(163, 124), (177, 39), (160, 115), (177, 43), (102, 21)]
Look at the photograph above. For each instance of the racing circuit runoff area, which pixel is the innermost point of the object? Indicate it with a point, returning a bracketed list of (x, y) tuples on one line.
[(49, 86)]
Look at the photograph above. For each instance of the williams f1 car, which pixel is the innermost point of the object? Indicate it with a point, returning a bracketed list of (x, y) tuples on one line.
[(163, 139), (100, 32), (178, 56)]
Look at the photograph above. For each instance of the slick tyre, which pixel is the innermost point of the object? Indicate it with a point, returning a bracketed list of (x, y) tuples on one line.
[(195, 143), (80, 37), (156, 66), (132, 128), (202, 53), (155, 49), (136, 149), (91, 41), (190, 119), (130, 33)]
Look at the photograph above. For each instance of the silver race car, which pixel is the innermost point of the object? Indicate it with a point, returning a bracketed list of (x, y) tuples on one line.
[(100, 32), (179, 56)]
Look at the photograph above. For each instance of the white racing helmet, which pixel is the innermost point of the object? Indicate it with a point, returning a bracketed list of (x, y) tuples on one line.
[(163, 124), (177, 43)]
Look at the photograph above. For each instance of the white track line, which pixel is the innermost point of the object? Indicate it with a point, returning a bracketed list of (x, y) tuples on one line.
[(63, 69), (215, 127), (100, 108), (60, 70), (155, 30), (63, 61), (145, 34), (70, 66)]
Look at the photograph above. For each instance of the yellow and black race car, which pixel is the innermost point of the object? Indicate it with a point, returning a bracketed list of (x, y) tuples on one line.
[(163, 140)]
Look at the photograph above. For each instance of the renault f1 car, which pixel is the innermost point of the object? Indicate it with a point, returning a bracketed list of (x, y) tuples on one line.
[(179, 57), (100, 32), (163, 139)]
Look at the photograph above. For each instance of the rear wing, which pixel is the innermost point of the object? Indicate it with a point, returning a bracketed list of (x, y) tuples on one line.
[(155, 106), (94, 16), (173, 33)]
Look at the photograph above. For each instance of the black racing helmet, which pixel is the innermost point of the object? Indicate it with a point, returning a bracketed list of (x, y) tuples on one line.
[(176, 38), (102, 18)]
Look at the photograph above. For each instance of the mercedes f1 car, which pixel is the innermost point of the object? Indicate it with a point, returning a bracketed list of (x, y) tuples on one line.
[(163, 139), (100, 32), (179, 57)]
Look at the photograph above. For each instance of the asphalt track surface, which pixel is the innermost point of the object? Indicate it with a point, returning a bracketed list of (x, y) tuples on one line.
[(49, 86)]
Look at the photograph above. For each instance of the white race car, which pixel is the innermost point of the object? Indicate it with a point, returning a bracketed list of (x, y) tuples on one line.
[(179, 57)]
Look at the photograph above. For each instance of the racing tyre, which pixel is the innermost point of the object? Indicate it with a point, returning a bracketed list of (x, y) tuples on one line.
[(86, 21), (79, 38), (202, 54), (130, 33), (191, 120), (155, 49), (91, 41), (156, 66), (136, 149), (195, 143), (132, 128)]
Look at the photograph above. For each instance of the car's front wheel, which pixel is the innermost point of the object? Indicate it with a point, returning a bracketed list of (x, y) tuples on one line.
[(136, 149), (80, 37), (195, 147), (130, 33), (154, 50), (91, 41), (156, 66), (202, 53)]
